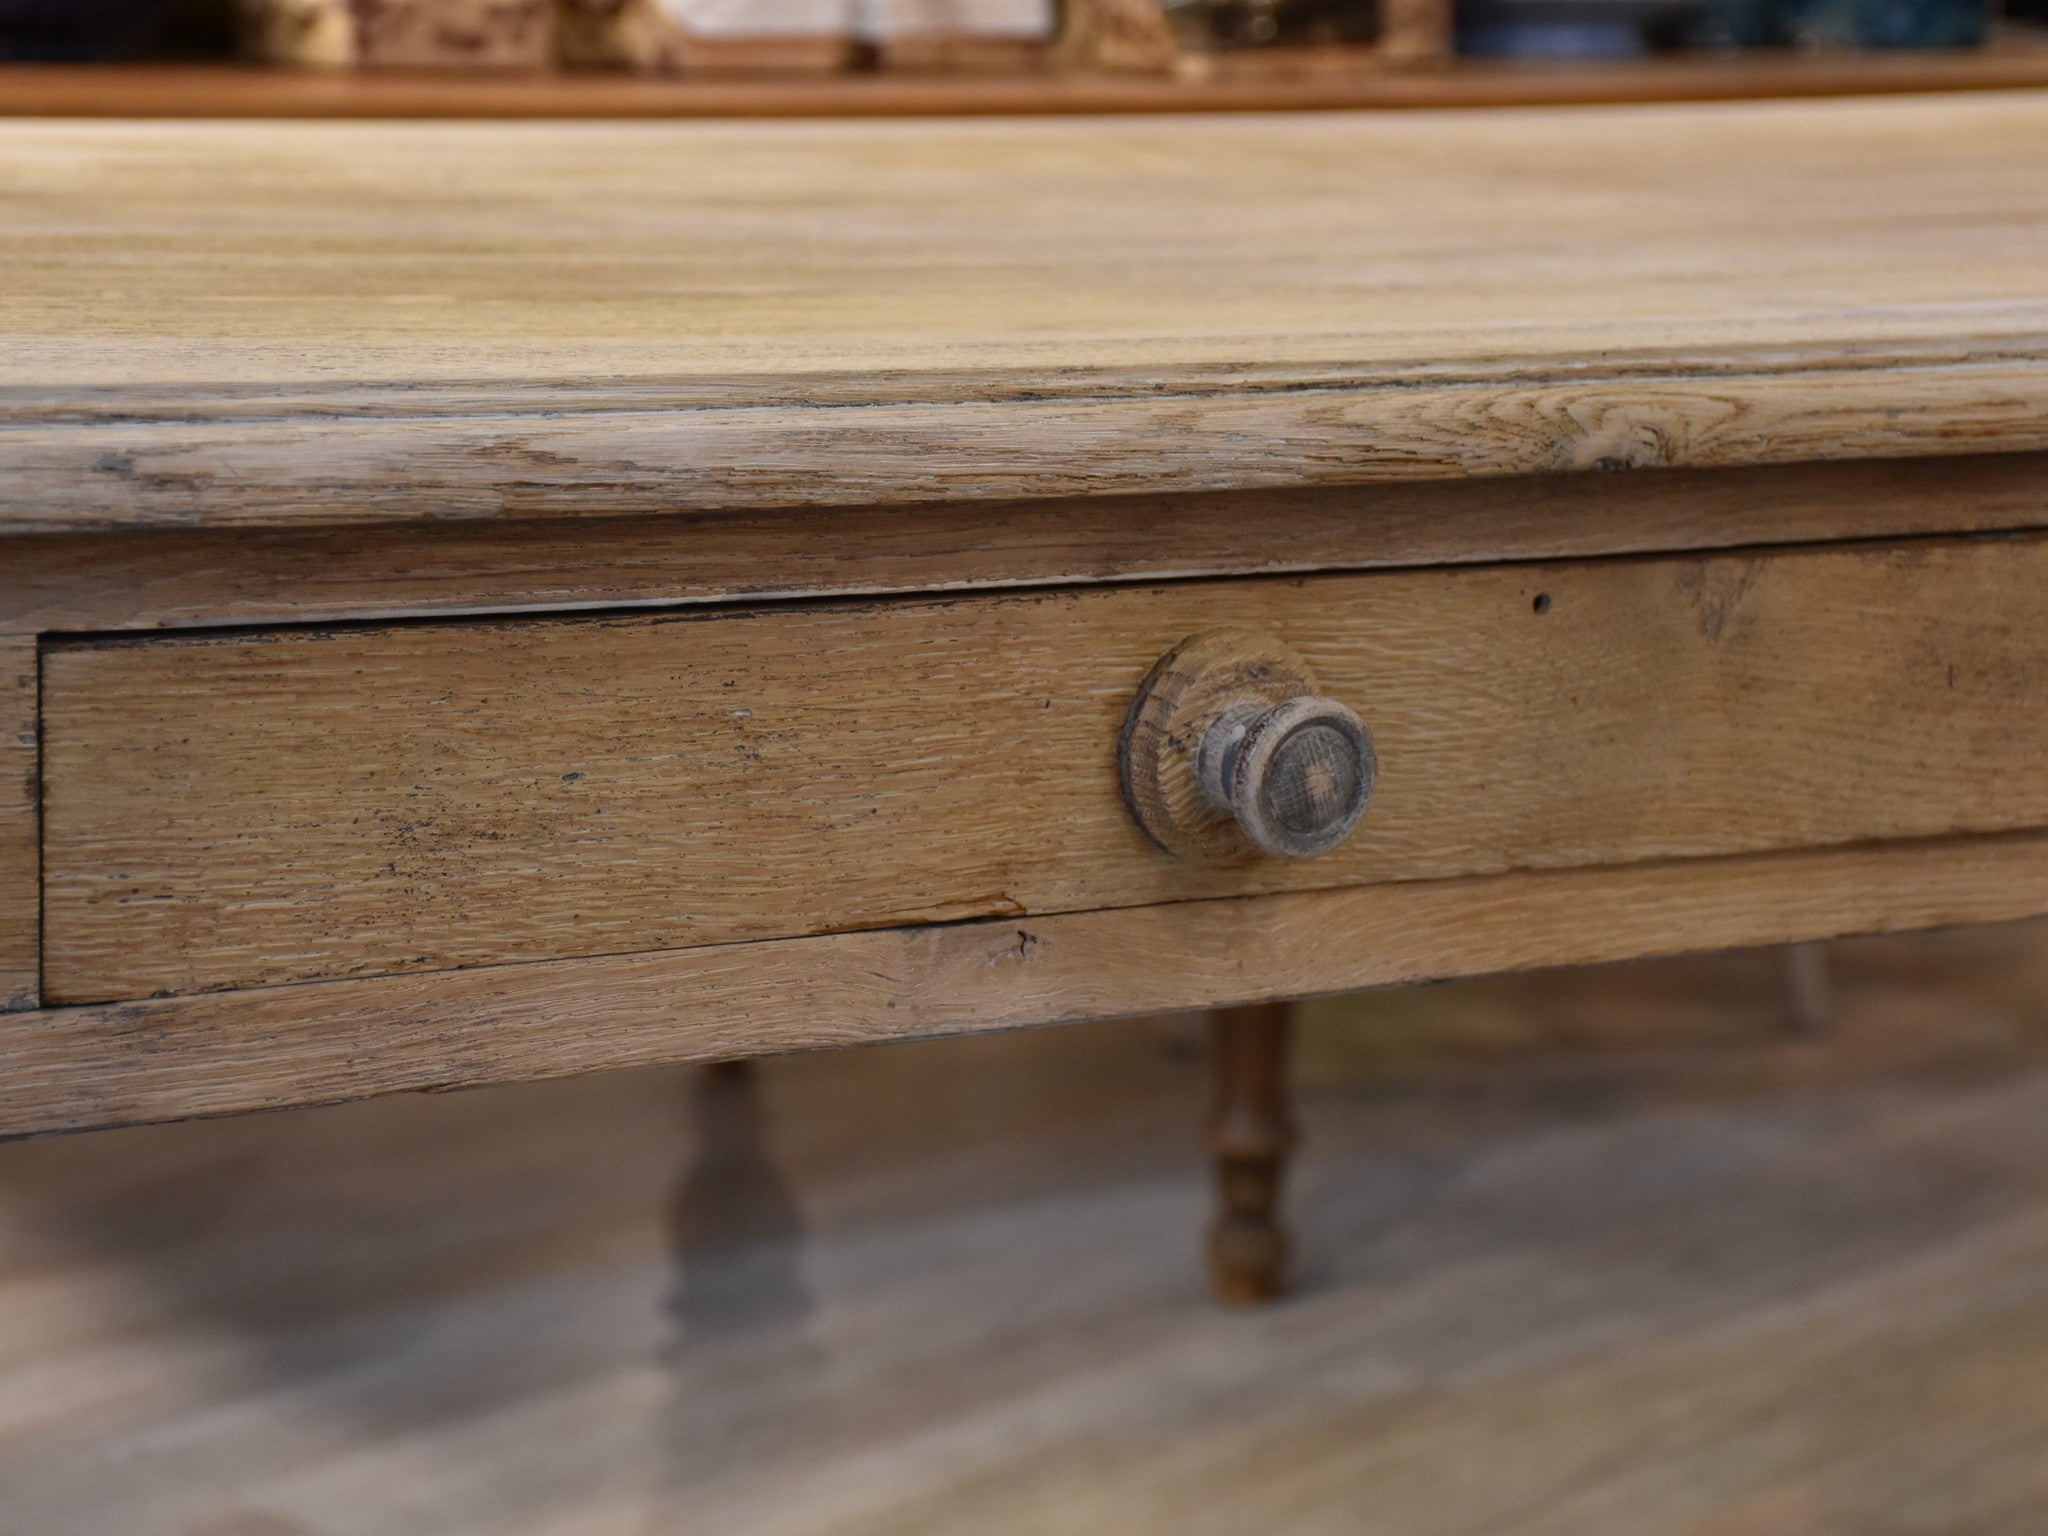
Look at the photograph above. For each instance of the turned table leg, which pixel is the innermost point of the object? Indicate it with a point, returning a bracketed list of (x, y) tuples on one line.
[(1250, 1135)]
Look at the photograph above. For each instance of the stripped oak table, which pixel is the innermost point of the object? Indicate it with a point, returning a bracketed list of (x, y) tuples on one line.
[(483, 601)]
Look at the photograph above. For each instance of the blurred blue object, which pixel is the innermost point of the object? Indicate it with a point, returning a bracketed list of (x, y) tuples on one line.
[(1613, 29), (1824, 24), (1581, 29), (1551, 40), (1921, 23)]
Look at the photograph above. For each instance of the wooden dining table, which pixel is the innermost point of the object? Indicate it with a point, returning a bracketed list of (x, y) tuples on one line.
[(485, 601)]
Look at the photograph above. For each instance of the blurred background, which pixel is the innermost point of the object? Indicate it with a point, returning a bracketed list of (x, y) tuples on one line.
[(1621, 1250), (767, 38)]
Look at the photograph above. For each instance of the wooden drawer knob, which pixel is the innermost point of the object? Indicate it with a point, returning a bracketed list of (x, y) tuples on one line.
[(1228, 749)]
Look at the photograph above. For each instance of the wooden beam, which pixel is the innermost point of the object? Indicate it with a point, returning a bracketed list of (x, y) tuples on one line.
[(566, 461), (219, 577), (72, 1068)]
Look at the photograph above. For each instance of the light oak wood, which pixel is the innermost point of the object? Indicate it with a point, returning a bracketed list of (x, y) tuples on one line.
[(171, 1058), (250, 809), (604, 323), (1113, 435), (20, 830), (144, 581), (1286, 345)]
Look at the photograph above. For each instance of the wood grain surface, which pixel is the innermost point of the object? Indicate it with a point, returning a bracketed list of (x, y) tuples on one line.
[(20, 827), (171, 1058), (242, 576), (246, 809), (292, 323)]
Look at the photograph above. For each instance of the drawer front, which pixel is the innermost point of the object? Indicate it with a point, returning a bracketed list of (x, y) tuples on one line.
[(239, 809)]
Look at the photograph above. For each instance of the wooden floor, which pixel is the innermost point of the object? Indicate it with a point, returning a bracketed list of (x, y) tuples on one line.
[(1588, 1253)]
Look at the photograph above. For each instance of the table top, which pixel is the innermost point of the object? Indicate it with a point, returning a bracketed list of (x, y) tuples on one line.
[(264, 323)]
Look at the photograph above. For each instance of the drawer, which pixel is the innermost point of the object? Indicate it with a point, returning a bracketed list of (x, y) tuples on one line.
[(234, 809)]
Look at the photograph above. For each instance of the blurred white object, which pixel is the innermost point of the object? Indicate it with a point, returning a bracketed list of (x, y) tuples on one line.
[(762, 18), (957, 35), (883, 20)]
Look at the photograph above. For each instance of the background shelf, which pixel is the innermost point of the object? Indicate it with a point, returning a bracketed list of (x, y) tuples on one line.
[(1319, 79)]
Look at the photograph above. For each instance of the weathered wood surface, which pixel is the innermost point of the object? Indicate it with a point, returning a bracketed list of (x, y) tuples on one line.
[(240, 576), (248, 809), (300, 323), (172, 1058), (20, 827)]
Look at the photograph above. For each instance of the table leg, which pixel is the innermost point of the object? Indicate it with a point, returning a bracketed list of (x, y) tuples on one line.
[(1250, 1136), (737, 1234), (1809, 989)]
